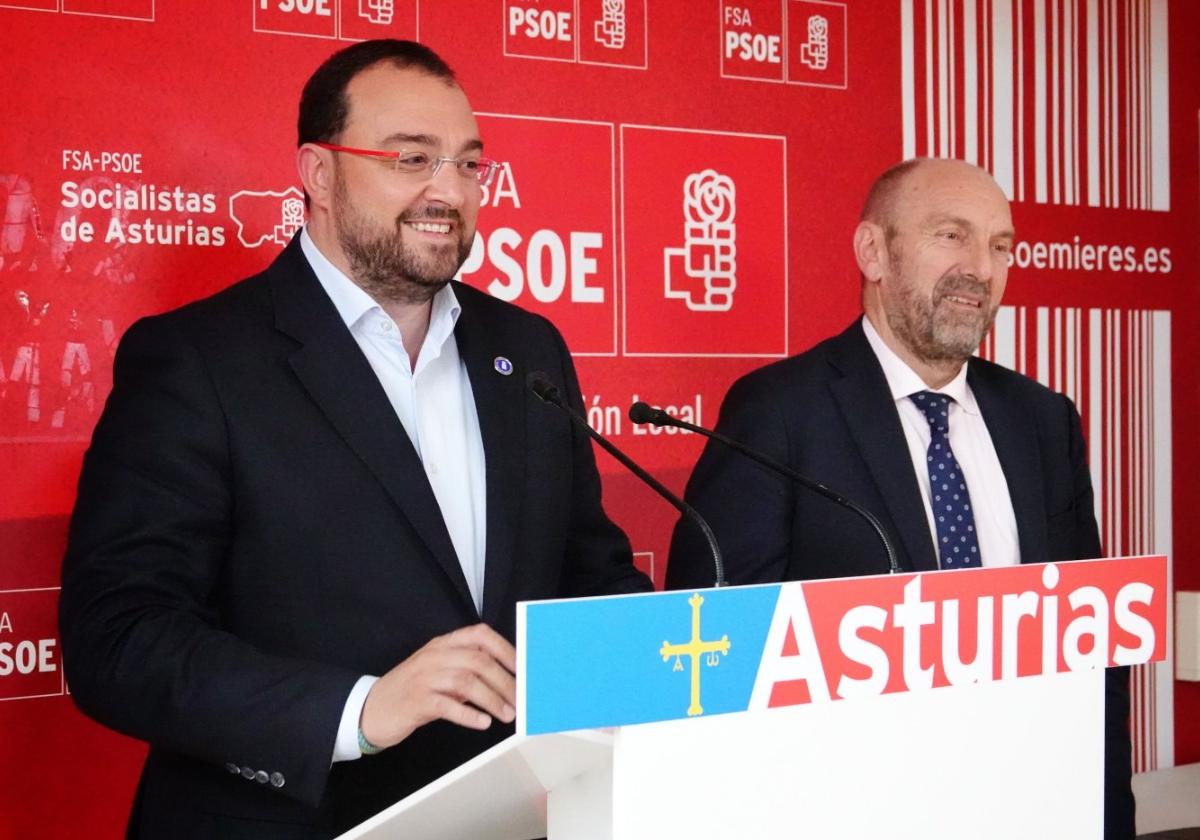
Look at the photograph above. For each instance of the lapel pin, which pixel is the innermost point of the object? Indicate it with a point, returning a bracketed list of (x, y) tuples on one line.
[(503, 365)]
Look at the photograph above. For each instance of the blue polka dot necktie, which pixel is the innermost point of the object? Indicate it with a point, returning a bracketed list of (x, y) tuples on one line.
[(958, 544)]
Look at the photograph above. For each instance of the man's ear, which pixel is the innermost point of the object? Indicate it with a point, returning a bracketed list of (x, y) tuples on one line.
[(315, 166), (870, 251)]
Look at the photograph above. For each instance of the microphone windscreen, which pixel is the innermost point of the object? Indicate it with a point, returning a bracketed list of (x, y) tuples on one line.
[(543, 387), (640, 412)]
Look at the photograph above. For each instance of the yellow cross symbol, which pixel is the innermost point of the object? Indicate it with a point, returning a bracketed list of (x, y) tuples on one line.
[(695, 648)]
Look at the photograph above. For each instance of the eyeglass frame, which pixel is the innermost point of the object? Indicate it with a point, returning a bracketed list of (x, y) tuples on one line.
[(432, 167)]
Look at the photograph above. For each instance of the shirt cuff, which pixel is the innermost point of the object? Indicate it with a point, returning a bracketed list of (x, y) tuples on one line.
[(346, 746)]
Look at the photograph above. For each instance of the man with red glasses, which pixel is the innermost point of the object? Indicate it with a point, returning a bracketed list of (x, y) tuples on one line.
[(313, 499)]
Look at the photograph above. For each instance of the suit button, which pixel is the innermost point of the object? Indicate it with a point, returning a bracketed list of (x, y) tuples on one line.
[(247, 773), (277, 780), (233, 768), (261, 777)]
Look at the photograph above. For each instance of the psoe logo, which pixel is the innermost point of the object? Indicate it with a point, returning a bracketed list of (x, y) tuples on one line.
[(378, 12), (817, 43), (703, 273), (267, 216), (606, 32), (682, 277), (814, 52), (610, 29)]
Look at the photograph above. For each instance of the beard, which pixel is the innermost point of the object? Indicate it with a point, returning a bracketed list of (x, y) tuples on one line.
[(383, 266), (936, 329)]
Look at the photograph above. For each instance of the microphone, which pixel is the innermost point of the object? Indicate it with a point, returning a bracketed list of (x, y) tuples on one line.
[(545, 390), (640, 413)]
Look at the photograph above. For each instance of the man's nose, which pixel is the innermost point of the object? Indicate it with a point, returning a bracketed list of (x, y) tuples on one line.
[(447, 186), (981, 261)]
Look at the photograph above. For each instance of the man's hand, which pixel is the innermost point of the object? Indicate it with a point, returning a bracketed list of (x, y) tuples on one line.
[(465, 677)]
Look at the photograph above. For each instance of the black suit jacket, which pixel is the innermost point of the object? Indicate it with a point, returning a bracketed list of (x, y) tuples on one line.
[(828, 413), (254, 531)]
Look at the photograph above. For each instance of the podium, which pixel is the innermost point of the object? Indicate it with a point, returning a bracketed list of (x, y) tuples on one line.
[(942, 704)]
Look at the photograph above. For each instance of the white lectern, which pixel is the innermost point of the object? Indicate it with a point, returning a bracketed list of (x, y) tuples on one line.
[(944, 704)]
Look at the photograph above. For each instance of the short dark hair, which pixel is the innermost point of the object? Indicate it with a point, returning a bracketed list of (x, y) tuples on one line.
[(880, 206), (323, 104)]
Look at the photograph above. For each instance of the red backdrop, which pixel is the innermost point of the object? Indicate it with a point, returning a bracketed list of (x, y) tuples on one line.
[(682, 181)]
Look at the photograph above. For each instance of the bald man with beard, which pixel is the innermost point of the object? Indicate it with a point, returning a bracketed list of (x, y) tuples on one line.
[(887, 410)]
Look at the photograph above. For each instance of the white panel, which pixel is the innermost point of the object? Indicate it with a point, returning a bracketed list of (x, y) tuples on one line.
[(1114, 123), (1140, 61), (1080, 153), (1043, 346), (1139, 408), (1002, 93), (1187, 639), (1022, 367), (1068, 353), (1055, 103), (1106, 521), (1022, 110), (1093, 105), (498, 793), (1129, 71), (908, 107), (1160, 130), (1094, 430), (1057, 342), (1039, 101), (929, 105), (1133, 80), (580, 808), (1161, 350), (800, 772), (1166, 800), (985, 61), (952, 49), (1117, 547), (943, 77), (1070, 138), (1162, 518), (970, 85)]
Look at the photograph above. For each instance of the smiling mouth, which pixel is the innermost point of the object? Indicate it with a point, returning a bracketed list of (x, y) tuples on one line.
[(963, 301), (430, 227)]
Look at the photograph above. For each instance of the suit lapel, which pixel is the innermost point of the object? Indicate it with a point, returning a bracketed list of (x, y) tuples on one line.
[(866, 404), (1015, 439), (331, 367), (500, 404)]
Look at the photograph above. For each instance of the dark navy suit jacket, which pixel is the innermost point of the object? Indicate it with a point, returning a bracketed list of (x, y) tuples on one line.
[(829, 414), (254, 530)]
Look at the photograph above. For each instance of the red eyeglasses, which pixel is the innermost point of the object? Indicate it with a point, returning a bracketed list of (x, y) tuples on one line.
[(479, 170)]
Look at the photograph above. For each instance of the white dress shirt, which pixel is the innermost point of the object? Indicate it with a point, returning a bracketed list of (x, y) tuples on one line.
[(995, 522), (434, 402)]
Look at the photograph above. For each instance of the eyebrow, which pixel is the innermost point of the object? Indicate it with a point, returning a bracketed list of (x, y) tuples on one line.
[(942, 219), (1007, 233), (472, 145)]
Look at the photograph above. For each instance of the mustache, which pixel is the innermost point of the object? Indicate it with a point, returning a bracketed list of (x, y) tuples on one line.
[(431, 213), (953, 284)]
